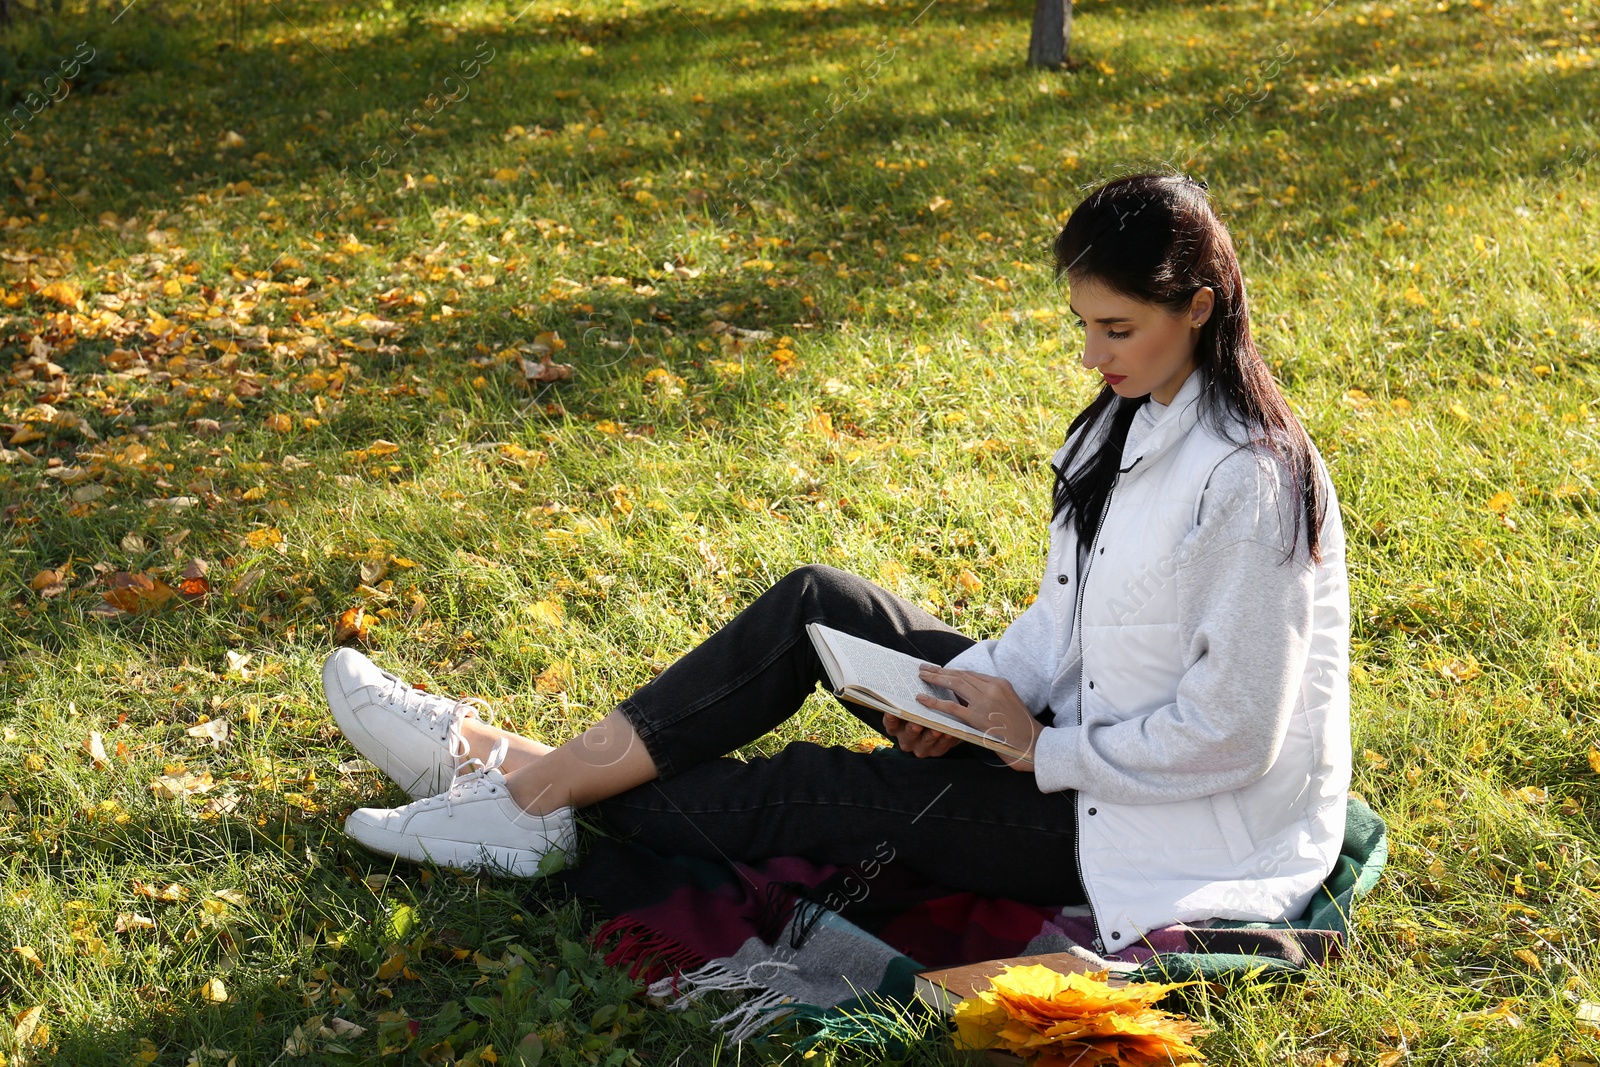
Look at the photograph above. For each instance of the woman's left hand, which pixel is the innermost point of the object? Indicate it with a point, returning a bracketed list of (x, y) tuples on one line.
[(992, 706)]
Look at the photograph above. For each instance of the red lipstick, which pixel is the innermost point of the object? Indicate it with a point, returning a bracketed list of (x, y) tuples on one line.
[(1114, 379)]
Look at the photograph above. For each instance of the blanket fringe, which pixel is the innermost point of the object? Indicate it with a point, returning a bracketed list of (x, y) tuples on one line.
[(750, 1018), (754, 1016), (651, 956)]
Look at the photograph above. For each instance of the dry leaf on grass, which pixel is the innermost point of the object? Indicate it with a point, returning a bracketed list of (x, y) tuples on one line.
[(299, 1043), (213, 730), (353, 626), (171, 893), (265, 537), (544, 370), (1500, 1015), (95, 747), (49, 583), (29, 1029), (178, 786), (129, 921), (554, 678), (221, 804), (63, 292), (135, 594), (195, 585)]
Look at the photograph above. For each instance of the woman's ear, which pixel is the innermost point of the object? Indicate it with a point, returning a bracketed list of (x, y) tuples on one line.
[(1200, 306)]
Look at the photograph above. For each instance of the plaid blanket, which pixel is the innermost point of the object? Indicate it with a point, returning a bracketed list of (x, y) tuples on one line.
[(839, 947)]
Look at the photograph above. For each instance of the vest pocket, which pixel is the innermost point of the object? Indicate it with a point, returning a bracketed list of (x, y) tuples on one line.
[(1225, 806)]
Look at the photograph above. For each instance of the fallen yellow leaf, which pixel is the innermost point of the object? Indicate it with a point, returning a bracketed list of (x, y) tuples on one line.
[(135, 593), (95, 747), (129, 921), (178, 786), (268, 537), (45, 579), (28, 1029), (554, 678), (214, 730), (171, 893), (63, 292), (391, 967), (821, 425), (352, 626)]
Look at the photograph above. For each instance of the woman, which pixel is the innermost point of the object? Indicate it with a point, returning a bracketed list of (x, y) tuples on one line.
[(1179, 684)]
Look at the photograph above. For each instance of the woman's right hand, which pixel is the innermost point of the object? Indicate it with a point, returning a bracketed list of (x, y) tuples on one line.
[(917, 739)]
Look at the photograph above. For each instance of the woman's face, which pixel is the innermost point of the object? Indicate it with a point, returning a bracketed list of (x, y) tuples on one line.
[(1136, 347)]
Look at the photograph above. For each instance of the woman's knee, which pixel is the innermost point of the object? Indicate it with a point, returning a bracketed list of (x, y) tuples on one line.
[(817, 591), (820, 583)]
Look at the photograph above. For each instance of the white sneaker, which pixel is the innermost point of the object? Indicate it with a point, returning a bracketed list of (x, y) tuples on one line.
[(412, 736), (473, 826)]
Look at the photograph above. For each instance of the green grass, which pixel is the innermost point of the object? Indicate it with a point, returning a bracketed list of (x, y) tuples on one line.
[(1413, 201)]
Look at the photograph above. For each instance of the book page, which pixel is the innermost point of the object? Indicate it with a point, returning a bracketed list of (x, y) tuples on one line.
[(887, 680), (891, 675)]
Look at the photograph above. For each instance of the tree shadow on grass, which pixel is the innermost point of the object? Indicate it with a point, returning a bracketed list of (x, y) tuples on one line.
[(538, 79)]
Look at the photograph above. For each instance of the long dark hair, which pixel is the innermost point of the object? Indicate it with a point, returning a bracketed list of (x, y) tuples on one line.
[(1155, 238)]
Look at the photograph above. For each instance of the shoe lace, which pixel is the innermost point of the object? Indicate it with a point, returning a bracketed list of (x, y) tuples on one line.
[(435, 707), (475, 775)]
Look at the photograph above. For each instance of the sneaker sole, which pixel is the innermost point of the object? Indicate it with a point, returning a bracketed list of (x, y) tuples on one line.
[(417, 783), (473, 858)]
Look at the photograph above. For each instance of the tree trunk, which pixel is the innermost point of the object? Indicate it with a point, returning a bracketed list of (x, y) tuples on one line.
[(1052, 34)]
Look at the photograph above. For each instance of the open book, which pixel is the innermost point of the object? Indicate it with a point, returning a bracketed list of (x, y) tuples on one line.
[(881, 678)]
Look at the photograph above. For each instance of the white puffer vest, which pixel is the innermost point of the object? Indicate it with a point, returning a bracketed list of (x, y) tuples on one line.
[(1255, 853)]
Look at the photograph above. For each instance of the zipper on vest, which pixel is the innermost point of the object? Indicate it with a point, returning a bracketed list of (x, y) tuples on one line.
[(1077, 632)]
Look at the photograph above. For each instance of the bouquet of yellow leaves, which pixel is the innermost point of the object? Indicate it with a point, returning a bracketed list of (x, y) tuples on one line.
[(1076, 1020)]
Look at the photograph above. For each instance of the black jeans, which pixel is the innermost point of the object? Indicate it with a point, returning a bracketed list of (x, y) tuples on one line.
[(963, 820)]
